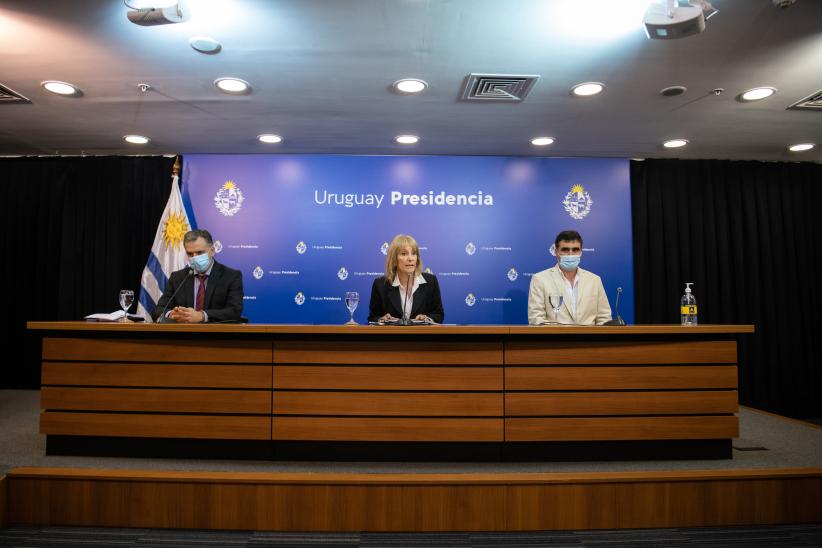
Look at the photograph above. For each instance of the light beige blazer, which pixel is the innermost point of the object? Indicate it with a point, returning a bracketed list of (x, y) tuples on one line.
[(592, 302)]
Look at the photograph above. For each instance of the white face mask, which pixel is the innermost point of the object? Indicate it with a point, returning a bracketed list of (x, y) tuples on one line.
[(569, 262), (200, 263)]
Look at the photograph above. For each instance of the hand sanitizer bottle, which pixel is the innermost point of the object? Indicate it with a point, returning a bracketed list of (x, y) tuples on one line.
[(687, 309)]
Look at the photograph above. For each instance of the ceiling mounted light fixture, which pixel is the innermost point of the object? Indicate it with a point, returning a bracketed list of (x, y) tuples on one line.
[(756, 94), (269, 138), (205, 44), (670, 19), (801, 147), (136, 139), (233, 86), (148, 13), (409, 85), (406, 139), (587, 89), (542, 141), (675, 143), (61, 88)]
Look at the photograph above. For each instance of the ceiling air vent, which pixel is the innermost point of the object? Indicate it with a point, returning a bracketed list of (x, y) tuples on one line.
[(507, 88), (811, 102), (8, 95)]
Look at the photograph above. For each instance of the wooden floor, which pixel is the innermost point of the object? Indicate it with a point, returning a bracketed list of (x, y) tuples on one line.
[(410, 502)]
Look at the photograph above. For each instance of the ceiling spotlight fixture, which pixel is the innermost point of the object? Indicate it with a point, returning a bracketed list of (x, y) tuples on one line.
[(233, 86), (269, 138), (410, 85), (802, 147), (155, 13), (756, 94), (587, 89), (542, 141), (406, 139), (61, 88), (205, 44), (136, 139), (675, 143), (669, 19)]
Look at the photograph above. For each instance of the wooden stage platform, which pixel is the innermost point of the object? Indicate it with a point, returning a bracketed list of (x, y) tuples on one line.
[(410, 502)]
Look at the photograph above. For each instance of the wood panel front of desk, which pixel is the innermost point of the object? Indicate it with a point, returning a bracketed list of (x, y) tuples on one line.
[(620, 389), (406, 389), (156, 388), (415, 388)]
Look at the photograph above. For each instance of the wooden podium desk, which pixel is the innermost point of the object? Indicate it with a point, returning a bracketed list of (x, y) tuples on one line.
[(440, 392)]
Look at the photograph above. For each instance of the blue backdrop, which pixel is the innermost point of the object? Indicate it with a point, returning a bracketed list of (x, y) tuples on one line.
[(306, 229)]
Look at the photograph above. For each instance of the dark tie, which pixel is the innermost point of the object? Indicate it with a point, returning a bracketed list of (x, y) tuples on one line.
[(200, 292)]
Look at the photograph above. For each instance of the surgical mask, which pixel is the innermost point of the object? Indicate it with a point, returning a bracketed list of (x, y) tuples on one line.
[(200, 262), (569, 262)]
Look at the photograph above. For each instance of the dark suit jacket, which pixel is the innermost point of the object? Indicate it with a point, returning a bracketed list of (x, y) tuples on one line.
[(385, 299), (223, 296)]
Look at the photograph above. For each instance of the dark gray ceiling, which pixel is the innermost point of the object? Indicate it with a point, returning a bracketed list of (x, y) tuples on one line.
[(321, 72)]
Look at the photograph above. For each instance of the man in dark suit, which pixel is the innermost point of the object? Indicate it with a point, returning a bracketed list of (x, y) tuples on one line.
[(205, 291), (405, 292)]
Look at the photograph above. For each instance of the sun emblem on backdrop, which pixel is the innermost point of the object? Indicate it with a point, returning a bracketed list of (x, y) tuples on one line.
[(174, 230), (229, 199), (578, 202)]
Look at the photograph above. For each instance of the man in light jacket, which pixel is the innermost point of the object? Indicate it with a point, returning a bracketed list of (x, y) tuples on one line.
[(583, 301)]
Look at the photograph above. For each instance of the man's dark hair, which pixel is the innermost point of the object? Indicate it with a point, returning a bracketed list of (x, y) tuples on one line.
[(192, 235), (568, 236)]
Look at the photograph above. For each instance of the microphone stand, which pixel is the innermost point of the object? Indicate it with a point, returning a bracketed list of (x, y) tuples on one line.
[(162, 317), (404, 320), (618, 320)]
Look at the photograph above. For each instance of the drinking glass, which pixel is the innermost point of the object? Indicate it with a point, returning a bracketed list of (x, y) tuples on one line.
[(352, 298), (126, 300), (556, 302)]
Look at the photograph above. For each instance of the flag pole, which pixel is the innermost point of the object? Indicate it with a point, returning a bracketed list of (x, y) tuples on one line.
[(167, 253)]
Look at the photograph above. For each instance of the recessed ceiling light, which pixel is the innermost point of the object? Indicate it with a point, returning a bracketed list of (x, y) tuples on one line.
[(205, 44), (802, 147), (756, 94), (410, 85), (269, 138), (136, 139), (406, 139), (587, 89), (675, 143), (542, 141), (233, 86), (61, 88), (673, 91)]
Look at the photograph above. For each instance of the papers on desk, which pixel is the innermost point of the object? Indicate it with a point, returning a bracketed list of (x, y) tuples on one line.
[(116, 316)]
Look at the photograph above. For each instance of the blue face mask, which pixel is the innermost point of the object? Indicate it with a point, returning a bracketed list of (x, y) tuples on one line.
[(200, 262), (569, 262)]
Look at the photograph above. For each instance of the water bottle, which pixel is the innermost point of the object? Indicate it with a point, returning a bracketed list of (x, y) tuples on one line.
[(687, 309)]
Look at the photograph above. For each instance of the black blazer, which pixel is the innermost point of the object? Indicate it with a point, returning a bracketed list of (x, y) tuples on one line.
[(385, 299), (223, 296)]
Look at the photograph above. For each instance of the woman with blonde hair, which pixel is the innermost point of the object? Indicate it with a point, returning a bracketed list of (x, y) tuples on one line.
[(405, 293)]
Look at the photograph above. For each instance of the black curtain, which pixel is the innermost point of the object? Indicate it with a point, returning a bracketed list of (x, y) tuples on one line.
[(75, 232), (748, 235)]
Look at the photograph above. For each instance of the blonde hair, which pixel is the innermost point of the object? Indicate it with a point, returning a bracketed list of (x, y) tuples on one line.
[(399, 242)]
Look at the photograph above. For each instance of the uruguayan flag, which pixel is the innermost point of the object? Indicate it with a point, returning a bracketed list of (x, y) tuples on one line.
[(167, 253)]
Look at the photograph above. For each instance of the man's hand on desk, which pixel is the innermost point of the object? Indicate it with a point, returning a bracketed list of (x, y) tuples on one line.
[(183, 314)]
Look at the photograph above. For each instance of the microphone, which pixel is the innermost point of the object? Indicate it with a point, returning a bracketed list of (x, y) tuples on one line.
[(618, 320), (404, 320), (162, 317)]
